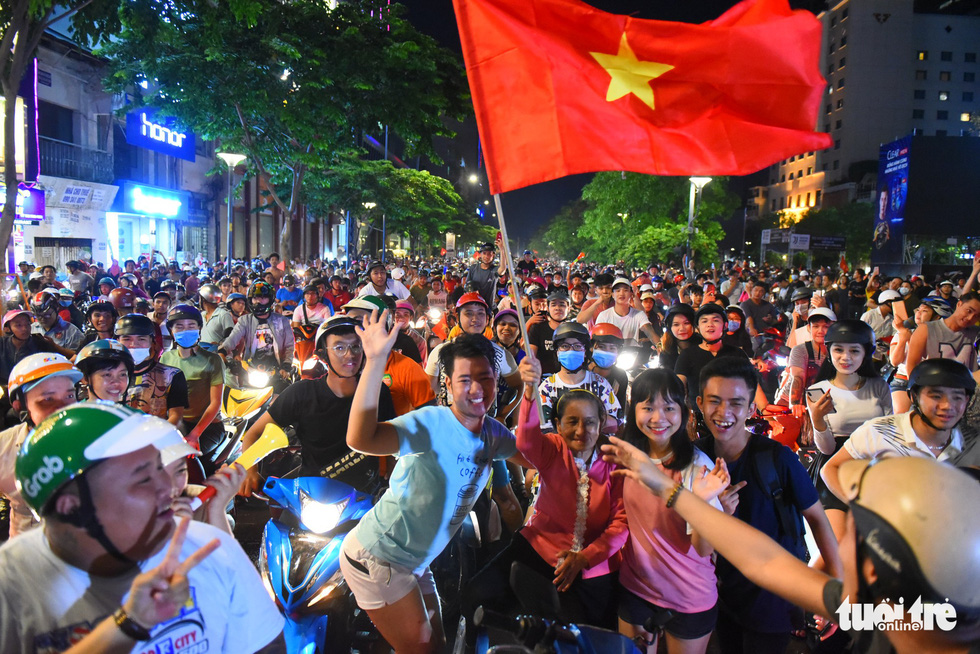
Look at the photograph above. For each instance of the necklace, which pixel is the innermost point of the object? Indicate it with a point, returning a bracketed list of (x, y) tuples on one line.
[(940, 448)]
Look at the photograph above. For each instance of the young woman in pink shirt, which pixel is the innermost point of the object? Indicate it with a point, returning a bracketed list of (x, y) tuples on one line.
[(667, 572), (577, 524)]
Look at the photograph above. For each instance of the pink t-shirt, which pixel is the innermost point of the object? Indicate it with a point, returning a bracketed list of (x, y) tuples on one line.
[(660, 564)]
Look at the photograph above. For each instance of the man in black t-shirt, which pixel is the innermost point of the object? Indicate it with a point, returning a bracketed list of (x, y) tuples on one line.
[(483, 275), (318, 410), (527, 263), (541, 331), (710, 322)]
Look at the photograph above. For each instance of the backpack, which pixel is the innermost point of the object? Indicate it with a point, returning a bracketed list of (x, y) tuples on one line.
[(765, 453)]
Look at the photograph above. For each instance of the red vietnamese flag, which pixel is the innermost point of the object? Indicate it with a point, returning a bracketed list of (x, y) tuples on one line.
[(561, 88)]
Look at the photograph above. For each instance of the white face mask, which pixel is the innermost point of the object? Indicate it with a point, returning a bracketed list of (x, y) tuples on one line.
[(140, 354), (904, 291)]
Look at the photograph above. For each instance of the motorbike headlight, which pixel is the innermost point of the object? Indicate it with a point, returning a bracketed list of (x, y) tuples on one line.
[(319, 517), (258, 378), (296, 363), (419, 324), (434, 315), (654, 362), (782, 361), (310, 363), (626, 360)]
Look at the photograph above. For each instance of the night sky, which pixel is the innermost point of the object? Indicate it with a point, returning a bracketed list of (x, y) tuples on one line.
[(527, 209)]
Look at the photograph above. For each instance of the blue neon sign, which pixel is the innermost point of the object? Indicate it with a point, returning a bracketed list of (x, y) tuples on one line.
[(152, 201), (146, 130)]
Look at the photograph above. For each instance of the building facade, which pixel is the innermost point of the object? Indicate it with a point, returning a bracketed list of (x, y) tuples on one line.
[(890, 72)]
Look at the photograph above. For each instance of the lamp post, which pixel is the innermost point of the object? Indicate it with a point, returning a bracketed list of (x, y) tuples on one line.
[(369, 206), (697, 183), (231, 160)]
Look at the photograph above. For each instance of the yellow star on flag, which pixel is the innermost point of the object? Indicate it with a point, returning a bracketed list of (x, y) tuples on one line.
[(629, 75)]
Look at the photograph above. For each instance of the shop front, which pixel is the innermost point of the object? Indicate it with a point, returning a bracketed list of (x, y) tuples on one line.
[(146, 219)]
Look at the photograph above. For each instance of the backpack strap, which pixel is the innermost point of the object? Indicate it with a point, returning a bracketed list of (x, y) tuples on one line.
[(764, 467)]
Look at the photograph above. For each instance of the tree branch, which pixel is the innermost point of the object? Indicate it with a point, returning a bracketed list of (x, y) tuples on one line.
[(64, 14), (264, 174)]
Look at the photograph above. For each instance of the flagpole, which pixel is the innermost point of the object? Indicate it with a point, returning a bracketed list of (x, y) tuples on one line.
[(505, 253)]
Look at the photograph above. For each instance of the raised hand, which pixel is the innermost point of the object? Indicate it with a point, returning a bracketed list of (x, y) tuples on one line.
[(635, 464), (709, 484), (157, 595), (530, 369), (376, 340)]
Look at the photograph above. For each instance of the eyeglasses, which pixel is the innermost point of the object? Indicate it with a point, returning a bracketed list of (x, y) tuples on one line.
[(342, 350), (576, 347)]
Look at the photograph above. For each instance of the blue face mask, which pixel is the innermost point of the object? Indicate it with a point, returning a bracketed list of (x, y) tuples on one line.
[(188, 338), (603, 359), (571, 360), (733, 325), (66, 303)]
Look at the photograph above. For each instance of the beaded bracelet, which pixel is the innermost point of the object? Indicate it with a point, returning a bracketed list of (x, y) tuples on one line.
[(673, 495)]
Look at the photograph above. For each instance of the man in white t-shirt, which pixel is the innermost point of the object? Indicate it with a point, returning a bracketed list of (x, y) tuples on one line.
[(939, 390), (380, 284), (100, 563), (630, 321)]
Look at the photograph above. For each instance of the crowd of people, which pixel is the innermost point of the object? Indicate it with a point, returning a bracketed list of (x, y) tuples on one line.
[(616, 420)]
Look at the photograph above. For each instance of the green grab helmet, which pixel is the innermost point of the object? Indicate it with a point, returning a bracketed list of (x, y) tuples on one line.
[(71, 441)]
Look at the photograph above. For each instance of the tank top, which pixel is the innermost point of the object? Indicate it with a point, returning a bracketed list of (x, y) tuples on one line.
[(944, 343)]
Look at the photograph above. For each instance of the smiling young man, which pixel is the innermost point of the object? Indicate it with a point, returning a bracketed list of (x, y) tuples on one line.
[(939, 390), (752, 620), (622, 314), (949, 338), (710, 321), (444, 456)]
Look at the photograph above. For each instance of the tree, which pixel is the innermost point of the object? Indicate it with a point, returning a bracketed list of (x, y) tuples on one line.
[(413, 202), (560, 236), (22, 24), (294, 85), (854, 221), (642, 218)]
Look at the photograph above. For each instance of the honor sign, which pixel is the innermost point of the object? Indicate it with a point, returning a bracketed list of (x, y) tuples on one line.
[(144, 129)]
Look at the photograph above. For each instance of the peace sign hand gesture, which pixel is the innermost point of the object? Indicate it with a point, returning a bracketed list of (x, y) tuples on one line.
[(157, 595)]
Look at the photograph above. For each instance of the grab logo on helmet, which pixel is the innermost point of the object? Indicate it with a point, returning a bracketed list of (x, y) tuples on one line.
[(43, 475)]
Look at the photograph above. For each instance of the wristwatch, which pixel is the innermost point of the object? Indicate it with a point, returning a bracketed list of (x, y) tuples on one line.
[(128, 626)]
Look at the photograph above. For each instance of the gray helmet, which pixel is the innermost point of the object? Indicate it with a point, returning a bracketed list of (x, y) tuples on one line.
[(572, 329)]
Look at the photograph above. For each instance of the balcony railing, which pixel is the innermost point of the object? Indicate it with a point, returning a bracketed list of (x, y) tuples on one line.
[(61, 159)]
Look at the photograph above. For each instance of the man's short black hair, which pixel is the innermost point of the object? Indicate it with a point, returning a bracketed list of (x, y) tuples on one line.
[(604, 279), (730, 367), (467, 346), (275, 254)]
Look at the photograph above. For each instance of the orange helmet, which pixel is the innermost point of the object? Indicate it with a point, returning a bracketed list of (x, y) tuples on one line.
[(606, 332), (34, 368), (469, 298), (123, 299)]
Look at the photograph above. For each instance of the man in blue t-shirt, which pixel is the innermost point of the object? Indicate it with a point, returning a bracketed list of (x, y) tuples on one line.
[(752, 620), (444, 456), (288, 296)]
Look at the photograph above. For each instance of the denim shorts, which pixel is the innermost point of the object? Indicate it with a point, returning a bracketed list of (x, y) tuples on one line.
[(685, 626)]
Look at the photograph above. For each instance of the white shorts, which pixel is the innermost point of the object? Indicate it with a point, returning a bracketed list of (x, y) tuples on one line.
[(377, 583)]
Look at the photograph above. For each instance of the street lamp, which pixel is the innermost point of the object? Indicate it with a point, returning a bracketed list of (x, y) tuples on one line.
[(697, 183), (231, 160), (474, 178)]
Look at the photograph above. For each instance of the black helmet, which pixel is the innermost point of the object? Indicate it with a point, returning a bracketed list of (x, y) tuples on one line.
[(135, 324), (168, 283), (101, 306), (942, 372), (288, 279), (260, 290), (210, 293), (105, 349), (685, 310), (536, 292), (557, 296), (371, 266), (107, 280), (710, 309), (851, 331), (333, 324), (572, 329), (184, 312), (801, 293)]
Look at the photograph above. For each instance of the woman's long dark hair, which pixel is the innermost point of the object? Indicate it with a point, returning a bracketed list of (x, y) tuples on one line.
[(650, 385)]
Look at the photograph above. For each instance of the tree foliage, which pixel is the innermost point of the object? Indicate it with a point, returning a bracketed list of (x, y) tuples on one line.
[(294, 85), (854, 221), (642, 218), (560, 237), (22, 24)]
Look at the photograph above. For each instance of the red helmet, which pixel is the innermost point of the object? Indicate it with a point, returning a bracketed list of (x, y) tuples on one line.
[(469, 298), (606, 332), (123, 299)]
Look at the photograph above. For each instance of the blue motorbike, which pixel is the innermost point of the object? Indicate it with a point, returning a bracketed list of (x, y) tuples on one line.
[(300, 563)]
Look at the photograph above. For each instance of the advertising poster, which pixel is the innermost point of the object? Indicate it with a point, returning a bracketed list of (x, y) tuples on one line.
[(892, 197)]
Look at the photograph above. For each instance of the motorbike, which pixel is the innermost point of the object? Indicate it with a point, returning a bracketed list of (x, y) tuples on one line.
[(537, 629), (634, 359), (240, 408), (773, 361), (306, 365), (299, 562)]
